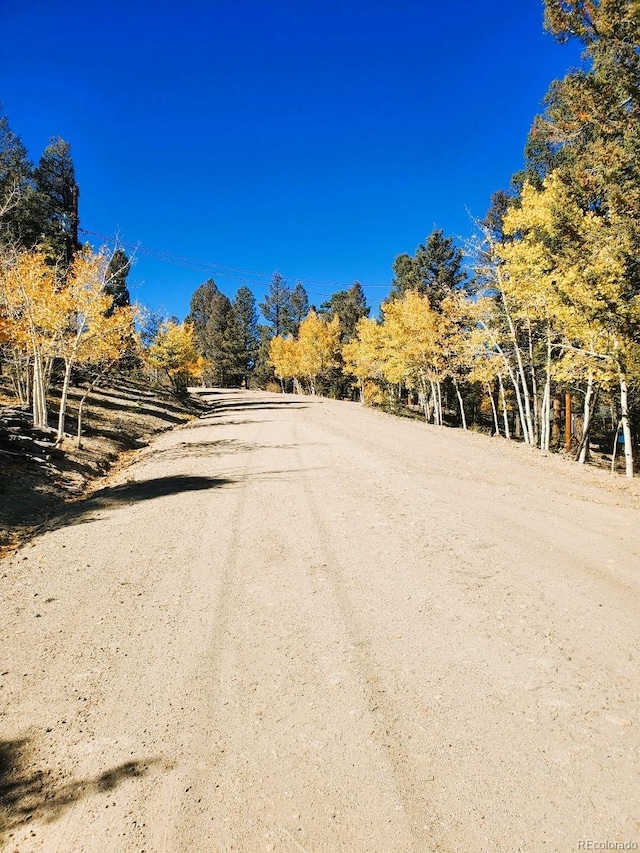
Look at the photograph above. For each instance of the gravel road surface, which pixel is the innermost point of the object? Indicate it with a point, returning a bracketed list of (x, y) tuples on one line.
[(299, 625)]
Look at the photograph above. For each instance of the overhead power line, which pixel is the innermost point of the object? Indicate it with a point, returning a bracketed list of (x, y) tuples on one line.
[(224, 271)]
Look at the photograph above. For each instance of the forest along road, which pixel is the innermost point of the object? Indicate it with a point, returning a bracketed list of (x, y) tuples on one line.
[(300, 625)]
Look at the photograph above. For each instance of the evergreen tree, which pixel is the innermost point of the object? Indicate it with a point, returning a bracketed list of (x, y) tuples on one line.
[(116, 280), (263, 372), (349, 306), (58, 195), (435, 271), (299, 307), (201, 308), (276, 308), (20, 224), (223, 346), (244, 306)]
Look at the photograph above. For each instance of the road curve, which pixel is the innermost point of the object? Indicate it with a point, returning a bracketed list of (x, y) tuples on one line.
[(299, 625)]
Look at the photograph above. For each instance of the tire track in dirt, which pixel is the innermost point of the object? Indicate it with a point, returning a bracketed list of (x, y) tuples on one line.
[(385, 715), (184, 804)]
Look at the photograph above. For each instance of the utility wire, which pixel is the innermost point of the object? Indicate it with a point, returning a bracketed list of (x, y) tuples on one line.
[(237, 274)]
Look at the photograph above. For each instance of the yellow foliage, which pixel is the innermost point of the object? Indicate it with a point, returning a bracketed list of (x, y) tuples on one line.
[(318, 345), (364, 355), (313, 354), (174, 349), (283, 357), (414, 335)]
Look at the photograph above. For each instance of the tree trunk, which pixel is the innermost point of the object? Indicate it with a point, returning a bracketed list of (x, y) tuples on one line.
[(496, 423), (39, 396), (614, 450), (545, 409), (63, 401), (80, 414), (534, 388), (505, 414), (434, 398), (583, 447), (527, 424), (626, 424), (514, 381), (462, 414)]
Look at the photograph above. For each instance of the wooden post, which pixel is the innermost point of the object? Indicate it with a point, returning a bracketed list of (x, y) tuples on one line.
[(567, 422)]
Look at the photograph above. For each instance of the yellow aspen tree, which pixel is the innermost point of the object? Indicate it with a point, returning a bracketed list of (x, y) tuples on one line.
[(283, 356), (364, 355), (457, 349), (529, 272), (486, 368), (318, 347), (571, 266), (414, 354), (36, 312), (111, 337), (174, 351), (84, 304)]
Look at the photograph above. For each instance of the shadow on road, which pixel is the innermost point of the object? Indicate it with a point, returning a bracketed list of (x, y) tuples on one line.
[(28, 794), (145, 490), (221, 402), (82, 511), (251, 406), (221, 447)]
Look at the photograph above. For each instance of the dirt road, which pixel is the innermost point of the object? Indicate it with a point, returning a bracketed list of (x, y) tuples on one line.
[(297, 625)]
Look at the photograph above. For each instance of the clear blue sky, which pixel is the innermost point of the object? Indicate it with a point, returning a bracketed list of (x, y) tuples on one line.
[(320, 139)]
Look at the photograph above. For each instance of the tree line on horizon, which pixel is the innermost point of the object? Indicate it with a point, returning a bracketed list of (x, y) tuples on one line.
[(549, 304)]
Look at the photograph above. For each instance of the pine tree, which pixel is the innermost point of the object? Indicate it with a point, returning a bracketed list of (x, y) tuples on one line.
[(116, 280), (58, 195), (223, 346), (20, 214), (276, 308), (435, 270), (299, 307), (350, 306), (201, 307), (244, 306)]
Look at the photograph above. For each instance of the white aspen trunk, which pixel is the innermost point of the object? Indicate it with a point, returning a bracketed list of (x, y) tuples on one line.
[(423, 397), (48, 369), (545, 419), (63, 401), (626, 424), (586, 426), (545, 409), (439, 403), (514, 381), (21, 377), (496, 422), (521, 408), (462, 414), (39, 394), (505, 414), (615, 448), (527, 424), (434, 397), (534, 390), (80, 414)]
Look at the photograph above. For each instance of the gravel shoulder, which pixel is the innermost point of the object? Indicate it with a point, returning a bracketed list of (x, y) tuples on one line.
[(298, 625)]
